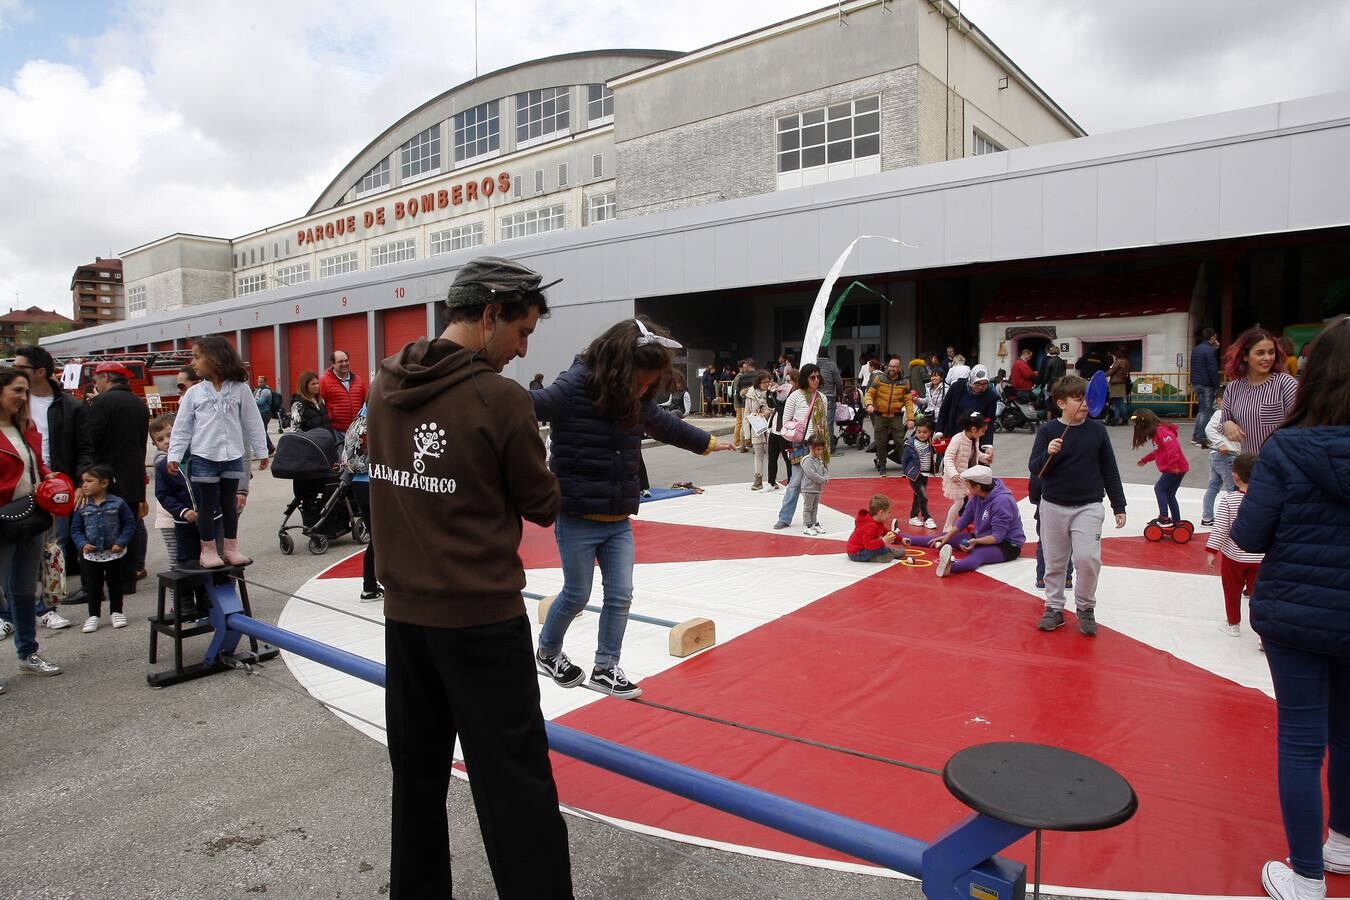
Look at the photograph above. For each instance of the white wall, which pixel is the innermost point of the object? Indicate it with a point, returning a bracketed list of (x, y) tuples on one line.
[(1163, 336)]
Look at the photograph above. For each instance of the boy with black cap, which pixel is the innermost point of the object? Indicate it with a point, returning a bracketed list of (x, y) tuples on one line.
[(455, 463)]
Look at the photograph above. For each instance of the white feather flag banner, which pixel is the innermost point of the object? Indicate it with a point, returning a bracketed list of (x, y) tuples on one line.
[(815, 326)]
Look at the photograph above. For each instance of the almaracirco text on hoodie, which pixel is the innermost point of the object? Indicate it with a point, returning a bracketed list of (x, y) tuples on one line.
[(456, 462)]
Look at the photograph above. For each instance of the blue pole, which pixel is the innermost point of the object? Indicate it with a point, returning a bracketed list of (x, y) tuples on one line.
[(867, 842), (591, 607), (357, 666)]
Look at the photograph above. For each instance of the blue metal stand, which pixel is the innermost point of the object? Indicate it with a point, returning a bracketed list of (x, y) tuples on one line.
[(960, 864)]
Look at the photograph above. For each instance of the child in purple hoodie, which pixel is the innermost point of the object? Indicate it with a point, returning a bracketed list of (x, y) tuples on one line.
[(992, 509)]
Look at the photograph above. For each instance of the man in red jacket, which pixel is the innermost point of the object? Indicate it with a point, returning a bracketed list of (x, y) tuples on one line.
[(343, 391)]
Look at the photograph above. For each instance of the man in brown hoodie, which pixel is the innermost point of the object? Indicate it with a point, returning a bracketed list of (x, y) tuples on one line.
[(455, 463)]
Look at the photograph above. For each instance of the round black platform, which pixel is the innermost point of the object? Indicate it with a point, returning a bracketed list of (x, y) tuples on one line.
[(1037, 786)]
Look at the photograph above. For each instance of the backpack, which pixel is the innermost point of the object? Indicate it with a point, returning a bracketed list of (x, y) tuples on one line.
[(276, 404)]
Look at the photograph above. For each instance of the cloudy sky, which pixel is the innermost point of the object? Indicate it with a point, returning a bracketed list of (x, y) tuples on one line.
[(121, 122)]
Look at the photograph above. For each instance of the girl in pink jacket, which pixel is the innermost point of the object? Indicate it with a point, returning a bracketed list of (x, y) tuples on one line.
[(1171, 460)]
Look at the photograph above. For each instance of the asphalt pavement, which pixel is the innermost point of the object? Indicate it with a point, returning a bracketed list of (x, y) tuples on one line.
[(239, 785)]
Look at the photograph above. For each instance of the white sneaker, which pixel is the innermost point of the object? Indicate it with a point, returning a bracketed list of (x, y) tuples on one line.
[(916, 521), (818, 528), (929, 524), (6, 629), (54, 620), (1283, 883), (1336, 854), (1232, 630), (118, 620), (90, 625), (944, 565)]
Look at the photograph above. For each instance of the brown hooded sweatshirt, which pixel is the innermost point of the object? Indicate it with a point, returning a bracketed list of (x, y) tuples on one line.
[(455, 463)]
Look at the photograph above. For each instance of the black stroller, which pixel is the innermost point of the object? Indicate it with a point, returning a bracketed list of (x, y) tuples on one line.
[(851, 429), (309, 460)]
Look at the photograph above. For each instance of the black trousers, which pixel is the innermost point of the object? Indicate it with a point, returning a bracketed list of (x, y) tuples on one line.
[(478, 684), (361, 498), (778, 448), (97, 576), (920, 505)]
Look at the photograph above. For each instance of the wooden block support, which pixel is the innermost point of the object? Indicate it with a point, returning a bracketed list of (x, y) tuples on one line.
[(687, 638), (548, 602)]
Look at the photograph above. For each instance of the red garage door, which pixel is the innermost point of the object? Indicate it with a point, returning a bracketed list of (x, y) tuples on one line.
[(302, 351), (402, 326), (262, 354), (164, 346), (349, 335), (232, 338)]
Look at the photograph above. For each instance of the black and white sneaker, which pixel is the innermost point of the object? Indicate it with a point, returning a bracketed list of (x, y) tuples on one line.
[(612, 681), (561, 669), (372, 596)]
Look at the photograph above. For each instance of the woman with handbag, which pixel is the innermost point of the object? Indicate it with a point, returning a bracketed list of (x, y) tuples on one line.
[(804, 414), (23, 524)]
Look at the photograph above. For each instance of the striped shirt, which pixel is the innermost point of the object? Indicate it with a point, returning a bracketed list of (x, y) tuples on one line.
[(1220, 541), (1259, 409)]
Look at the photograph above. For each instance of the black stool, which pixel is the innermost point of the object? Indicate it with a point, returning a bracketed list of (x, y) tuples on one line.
[(1040, 787), (180, 620)]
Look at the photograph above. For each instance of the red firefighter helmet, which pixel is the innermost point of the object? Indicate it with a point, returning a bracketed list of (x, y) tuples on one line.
[(57, 495)]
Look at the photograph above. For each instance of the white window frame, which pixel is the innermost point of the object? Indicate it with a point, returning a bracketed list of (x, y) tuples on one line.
[(484, 129), (339, 264), (250, 284), (600, 208), (529, 222), (105, 275), (136, 301), (599, 105), (842, 139), (981, 143), (420, 156), (558, 121), (377, 179), (460, 237), (297, 273), (390, 252)]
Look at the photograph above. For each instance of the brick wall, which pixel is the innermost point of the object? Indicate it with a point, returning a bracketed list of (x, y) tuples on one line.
[(733, 155)]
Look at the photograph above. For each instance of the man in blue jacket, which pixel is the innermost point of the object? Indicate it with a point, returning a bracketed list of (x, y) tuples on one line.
[(1204, 381)]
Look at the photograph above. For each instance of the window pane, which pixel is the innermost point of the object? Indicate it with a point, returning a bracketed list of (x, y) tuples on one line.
[(813, 117), (787, 122), (813, 135), (866, 104), (869, 123), (841, 129), (841, 152), (788, 162), (789, 140), (869, 145), (841, 111), (813, 156)]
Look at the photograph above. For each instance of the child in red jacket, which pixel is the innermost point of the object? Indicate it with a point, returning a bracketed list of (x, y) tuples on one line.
[(872, 540), (1171, 460)]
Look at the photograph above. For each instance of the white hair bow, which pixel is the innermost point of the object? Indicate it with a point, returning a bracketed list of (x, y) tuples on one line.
[(645, 337)]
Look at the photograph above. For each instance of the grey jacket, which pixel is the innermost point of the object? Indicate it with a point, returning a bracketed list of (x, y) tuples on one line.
[(814, 475)]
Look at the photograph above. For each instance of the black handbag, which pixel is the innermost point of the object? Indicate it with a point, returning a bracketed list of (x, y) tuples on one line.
[(22, 519)]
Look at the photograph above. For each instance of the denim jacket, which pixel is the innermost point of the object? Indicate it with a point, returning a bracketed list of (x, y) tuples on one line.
[(103, 524)]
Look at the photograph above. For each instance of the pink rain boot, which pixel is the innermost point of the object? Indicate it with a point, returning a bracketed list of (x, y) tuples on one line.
[(232, 554), (210, 559)]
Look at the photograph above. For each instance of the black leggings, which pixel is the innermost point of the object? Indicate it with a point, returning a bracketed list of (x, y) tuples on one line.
[(217, 497), (361, 494), (778, 448), (97, 575)]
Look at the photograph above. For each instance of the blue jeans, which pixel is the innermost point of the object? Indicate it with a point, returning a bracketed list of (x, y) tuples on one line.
[(1220, 476), (19, 571), (790, 495), (581, 544), (1165, 489), (867, 555), (1312, 695), (1204, 408), (40, 607)]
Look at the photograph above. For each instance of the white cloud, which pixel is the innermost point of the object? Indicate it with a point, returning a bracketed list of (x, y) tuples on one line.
[(223, 117)]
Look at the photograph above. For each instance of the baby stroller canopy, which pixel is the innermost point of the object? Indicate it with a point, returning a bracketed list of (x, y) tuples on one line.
[(307, 455)]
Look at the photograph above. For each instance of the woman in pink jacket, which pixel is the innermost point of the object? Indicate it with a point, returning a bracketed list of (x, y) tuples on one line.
[(1171, 460)]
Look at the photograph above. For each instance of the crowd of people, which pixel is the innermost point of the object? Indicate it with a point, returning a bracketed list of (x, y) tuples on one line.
[(462, 663)]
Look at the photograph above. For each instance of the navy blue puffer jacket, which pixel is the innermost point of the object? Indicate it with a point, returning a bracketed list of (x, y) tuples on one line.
[(595, 459), (1297, 512)]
